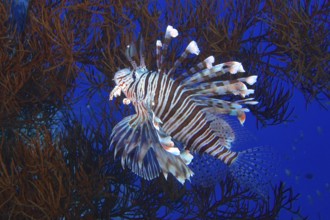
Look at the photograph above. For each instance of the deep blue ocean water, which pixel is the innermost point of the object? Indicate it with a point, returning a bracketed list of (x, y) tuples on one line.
[(304, 153)]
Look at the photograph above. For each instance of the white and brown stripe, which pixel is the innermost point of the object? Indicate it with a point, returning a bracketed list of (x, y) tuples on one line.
[(183, 118)]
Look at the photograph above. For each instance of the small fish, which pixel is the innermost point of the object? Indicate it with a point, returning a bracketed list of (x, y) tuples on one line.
[(184, 109), (310, 199), (318, 193), (319, 130), (309, 176), (287, 172)]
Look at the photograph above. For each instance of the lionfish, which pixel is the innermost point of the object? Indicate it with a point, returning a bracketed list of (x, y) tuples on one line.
[(185, 109)]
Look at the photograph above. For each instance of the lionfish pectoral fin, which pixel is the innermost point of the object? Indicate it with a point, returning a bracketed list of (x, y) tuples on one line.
[(221, 129), (253, 168), (164, 139), (186, 156), (140, 150), (167, 143)]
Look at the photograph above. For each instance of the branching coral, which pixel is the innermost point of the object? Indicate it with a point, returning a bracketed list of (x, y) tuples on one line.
[(73, 176)]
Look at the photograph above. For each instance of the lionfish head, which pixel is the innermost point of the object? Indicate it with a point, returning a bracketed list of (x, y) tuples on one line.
[(126, 75)]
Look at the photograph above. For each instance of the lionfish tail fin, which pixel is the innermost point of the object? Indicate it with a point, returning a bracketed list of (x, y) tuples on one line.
[(253, 169), (142, 149)]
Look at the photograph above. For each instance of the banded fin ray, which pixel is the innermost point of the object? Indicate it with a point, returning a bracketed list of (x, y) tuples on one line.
[(169, 34), (235, 88), (204, 75), (250, 80), (205, 64), (192, 48), (224, 104), (219, 106)]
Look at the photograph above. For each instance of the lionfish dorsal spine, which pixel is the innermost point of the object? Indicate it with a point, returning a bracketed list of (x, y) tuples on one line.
[(192, 48), (142, 52), (169, 34), (231, 67), (158, 54), (130, 53), (205, 64)]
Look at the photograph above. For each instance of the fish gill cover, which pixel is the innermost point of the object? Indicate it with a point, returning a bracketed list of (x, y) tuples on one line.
[(57, 68)]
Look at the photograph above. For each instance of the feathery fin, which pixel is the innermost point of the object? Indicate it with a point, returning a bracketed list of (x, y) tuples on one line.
[(218, 70), (140, 149), (253, 168)]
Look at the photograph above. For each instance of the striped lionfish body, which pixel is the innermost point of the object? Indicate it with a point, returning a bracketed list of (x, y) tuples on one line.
[(183, 109)]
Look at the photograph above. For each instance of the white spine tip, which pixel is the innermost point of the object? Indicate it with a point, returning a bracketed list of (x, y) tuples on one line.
[(248, 92), (251, 79), (158, 43), (243, 87), (165, 175), (236, 105), (173, 150), (193, 48), (186, 156), (236, 67), (181, 180), (252, 102), (209, 61), (171, 32)]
